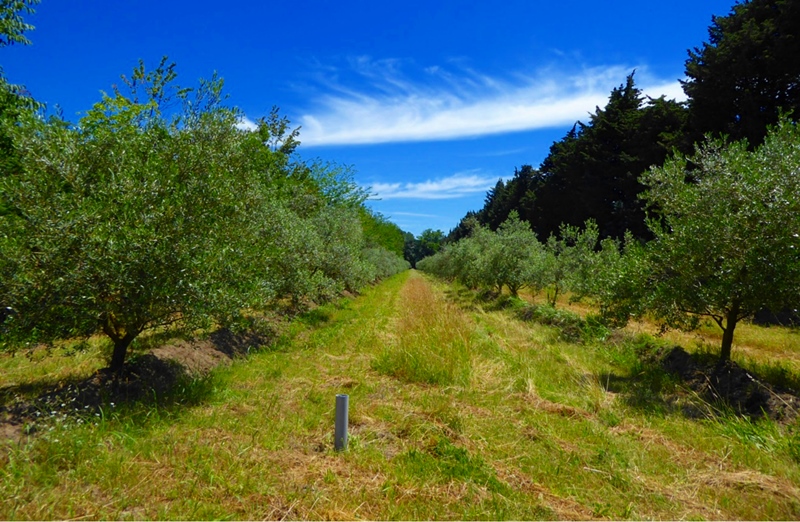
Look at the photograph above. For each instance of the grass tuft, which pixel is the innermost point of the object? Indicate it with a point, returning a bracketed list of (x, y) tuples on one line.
[(431, 342), (445, 462)]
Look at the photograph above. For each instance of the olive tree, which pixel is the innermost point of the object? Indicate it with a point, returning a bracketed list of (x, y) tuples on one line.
[(727, 233), (571, 262), (514, 255), (152, 211)]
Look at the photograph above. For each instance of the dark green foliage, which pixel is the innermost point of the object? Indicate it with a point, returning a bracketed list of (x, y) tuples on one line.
[(517, 195), (748, 71), (496, 206), (592, 173), (427, 244), (463, 228), (380, 232)]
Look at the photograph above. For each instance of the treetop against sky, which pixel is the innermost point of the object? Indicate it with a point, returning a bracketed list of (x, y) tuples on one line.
[(431, 103)]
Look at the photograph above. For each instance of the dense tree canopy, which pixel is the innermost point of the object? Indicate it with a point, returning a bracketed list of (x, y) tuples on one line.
[(426, 244), (379, 231), (740, 80), (592, 173)]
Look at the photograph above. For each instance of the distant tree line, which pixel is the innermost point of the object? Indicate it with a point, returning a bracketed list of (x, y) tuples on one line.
[(426, 244)]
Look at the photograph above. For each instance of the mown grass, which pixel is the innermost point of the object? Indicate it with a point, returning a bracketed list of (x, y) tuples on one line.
[(507, 421)]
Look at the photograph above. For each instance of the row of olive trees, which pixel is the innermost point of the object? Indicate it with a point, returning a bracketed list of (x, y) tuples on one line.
[(726, 223), (513, 258), (157, 210)]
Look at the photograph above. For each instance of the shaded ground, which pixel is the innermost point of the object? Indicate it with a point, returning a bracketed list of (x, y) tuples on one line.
[(729, 384), (150, 377)]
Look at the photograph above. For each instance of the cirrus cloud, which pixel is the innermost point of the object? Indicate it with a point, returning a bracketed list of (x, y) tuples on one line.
[(455, 186), (379, 103)]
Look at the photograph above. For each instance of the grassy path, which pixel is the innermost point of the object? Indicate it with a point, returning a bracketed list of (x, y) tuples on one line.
[(456, 413)]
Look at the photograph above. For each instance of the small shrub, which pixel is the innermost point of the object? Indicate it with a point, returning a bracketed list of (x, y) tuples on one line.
[(571, 326)]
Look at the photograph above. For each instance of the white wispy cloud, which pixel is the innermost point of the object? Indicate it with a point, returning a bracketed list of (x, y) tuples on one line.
[(246, 123), (380, 103), (458, 185)]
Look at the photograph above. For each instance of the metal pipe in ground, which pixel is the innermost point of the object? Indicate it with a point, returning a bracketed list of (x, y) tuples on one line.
[(340, 428)]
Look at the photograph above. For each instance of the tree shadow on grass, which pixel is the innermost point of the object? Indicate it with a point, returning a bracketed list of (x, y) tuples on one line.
[(145, 383), (699, 386), (315, 317), (168, 379)]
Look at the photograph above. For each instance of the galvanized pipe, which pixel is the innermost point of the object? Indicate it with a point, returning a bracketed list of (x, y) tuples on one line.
[(340, 428)]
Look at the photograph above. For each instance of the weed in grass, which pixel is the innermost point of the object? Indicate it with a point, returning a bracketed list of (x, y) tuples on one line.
[(444, 462), (792, 441), (762, 434)]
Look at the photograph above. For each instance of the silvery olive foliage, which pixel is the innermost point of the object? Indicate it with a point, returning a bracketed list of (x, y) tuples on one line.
[(726, 223), (513, 258), (157, 210)]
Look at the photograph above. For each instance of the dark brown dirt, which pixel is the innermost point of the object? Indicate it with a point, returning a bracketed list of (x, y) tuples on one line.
[(154, 376), (731, 385)]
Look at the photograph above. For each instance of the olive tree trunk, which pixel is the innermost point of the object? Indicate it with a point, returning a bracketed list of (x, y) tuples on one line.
[(731, 319)]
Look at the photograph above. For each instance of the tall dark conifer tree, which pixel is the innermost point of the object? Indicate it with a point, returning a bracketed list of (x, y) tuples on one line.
[(748, 72), (593, 171)]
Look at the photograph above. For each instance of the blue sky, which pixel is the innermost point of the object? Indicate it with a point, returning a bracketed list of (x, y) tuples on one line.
[(431, 102)]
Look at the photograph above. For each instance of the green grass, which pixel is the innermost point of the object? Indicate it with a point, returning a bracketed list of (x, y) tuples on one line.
[(493, 418)]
